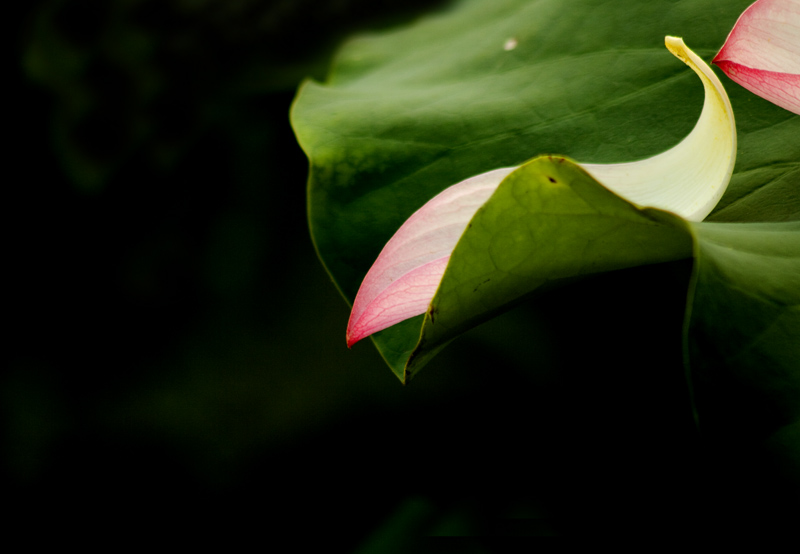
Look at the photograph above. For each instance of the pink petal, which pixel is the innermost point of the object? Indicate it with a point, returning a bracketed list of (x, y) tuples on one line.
[(762, 52), (408, 270)]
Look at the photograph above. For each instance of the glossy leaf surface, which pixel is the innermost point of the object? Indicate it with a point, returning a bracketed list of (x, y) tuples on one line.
[(407, 113)]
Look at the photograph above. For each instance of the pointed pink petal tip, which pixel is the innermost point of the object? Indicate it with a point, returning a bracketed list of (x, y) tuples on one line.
[(404, 278), (762, 52)]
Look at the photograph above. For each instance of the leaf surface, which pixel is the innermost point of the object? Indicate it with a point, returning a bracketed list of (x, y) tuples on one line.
[(483, 85), (743, 333)]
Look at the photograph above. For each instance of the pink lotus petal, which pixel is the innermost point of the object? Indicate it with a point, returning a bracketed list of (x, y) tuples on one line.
[(762, 52), (408, 270)]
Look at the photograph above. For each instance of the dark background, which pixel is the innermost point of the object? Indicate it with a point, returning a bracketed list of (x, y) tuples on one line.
[(176, 349)]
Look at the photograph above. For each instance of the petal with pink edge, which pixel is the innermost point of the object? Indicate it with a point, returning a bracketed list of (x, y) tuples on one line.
[(407, 272), (762, 52)]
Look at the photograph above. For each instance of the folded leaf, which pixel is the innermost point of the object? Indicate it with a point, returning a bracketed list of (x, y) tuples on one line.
[(688, 179), (548, 221), (407, 112), (762, 52)]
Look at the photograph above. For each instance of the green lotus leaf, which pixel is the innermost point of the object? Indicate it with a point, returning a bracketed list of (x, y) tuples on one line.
[(483, 85)]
